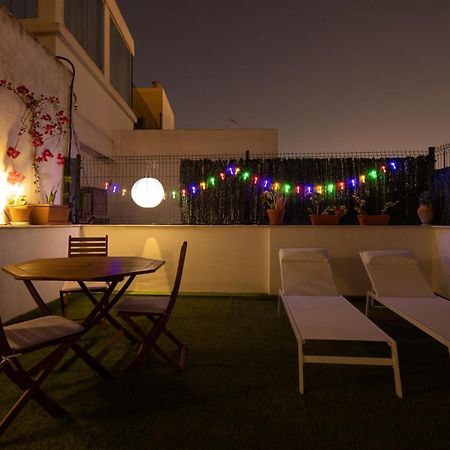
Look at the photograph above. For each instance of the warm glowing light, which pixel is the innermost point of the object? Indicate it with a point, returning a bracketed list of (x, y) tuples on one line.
[(183, 192), (222, 176), (203, 185), (255, 180), (362, 179), (106, 186), (124, 192), (319, 189), (147, 192), (174, 195), (341, 185), (276, 186), (237, 170), (297, 189), (383, 169)]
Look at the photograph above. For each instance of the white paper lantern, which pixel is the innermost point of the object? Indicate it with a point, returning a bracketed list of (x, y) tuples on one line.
[(147, 192)]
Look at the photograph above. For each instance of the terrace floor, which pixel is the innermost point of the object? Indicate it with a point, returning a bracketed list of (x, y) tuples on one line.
[(240, 390)]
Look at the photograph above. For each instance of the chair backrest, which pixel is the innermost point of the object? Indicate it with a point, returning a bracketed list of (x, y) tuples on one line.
[(395, 273), (88, 246), (177, 283), (306, 271)]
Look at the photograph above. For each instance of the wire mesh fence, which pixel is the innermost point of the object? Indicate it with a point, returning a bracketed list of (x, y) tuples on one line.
[(114, 177)]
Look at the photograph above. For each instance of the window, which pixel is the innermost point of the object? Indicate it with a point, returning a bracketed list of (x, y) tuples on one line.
[(22, 9), (121, 64), (84, 18)]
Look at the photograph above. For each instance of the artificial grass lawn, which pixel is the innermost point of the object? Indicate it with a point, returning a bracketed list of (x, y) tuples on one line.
[(240, 390)]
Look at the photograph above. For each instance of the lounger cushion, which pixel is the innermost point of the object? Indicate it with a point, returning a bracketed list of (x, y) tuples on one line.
[(143, 304), (33, 333), (306, 271), (312, 255), (398, 276), (389, 257)]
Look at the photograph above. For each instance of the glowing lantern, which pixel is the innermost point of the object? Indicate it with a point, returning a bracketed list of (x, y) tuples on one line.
[(147, 192)]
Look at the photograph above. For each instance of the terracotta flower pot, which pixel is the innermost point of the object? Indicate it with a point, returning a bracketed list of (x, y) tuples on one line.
[(426, 214), (276, 216), (374, 219), (43, 214), (18, 214), (319, 219)]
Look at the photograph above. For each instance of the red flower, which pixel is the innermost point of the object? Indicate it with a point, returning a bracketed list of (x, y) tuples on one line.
[(45, 155), (15, 177), (60, 159), (12, 152), (22, 90)]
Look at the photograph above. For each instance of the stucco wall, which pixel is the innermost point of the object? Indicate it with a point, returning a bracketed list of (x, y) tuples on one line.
[(100, 109), (441, 260), (224, 259), (185, 142), (24, 244), (23, 61)]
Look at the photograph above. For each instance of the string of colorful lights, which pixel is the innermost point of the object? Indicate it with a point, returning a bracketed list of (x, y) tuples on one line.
[(287, 188), (265, 184)]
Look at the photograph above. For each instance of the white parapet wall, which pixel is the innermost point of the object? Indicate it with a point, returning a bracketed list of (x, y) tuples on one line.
[(19, 244), (224, 259)]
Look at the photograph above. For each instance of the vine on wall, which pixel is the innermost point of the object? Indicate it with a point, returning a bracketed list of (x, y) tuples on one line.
[(45, 122)]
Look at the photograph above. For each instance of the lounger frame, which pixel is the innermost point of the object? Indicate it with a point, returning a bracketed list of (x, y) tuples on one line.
[(303, 359)]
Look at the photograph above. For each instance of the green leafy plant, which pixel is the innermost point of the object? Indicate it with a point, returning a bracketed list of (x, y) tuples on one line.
[(317, 201), (426, 198), (361, 208), (17, 200), (274, 200), (50, 198)]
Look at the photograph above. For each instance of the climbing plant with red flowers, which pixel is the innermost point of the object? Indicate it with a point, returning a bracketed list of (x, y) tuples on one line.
[(45, 121)]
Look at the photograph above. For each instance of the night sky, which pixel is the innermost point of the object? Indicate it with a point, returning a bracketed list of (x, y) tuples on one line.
[(330, 75)]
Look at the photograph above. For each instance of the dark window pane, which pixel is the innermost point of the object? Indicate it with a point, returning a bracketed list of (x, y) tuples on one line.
[(84, 18), (22, 9), (121, 64)]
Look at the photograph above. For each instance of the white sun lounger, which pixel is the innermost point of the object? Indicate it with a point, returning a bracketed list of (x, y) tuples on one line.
[(317, 312), (399, 284)]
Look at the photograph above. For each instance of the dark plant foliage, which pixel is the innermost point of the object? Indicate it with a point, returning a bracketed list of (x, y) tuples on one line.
[(235, 200)]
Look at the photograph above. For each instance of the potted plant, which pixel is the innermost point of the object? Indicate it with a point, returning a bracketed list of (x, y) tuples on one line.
[(18, 210), (275, 203), (48, 213), (372, 219), (330, 215), (426, 210)]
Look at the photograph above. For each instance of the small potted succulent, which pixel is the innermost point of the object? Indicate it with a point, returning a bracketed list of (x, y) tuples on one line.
[(275, 202), (18, 210), (426, 210), (48, 213), (364, 218), (330, 215)]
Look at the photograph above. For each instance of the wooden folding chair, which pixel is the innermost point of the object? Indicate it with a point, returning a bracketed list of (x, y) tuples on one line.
[(25, 337), (83, 246), (157, 309)]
